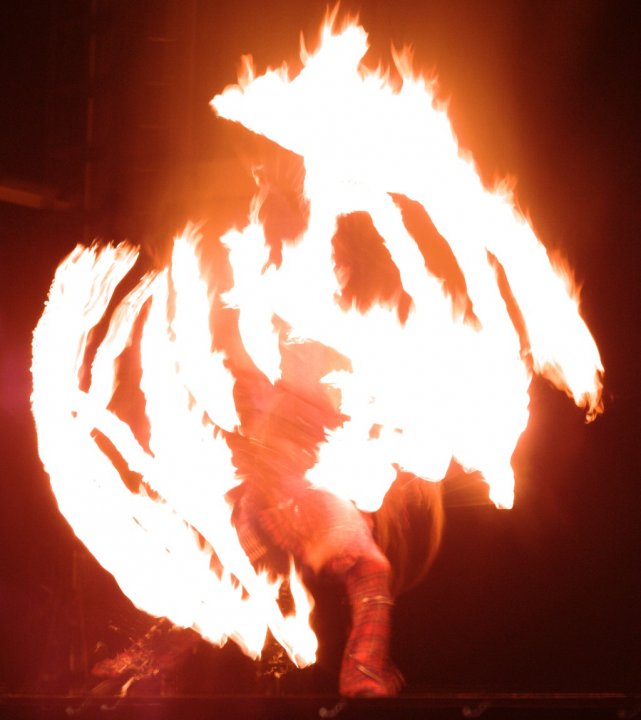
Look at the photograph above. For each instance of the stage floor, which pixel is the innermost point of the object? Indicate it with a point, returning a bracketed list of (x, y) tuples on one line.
[(520, 706)]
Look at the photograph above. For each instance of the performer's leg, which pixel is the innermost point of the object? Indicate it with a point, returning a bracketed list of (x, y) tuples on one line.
[(366, 668), (330, 535)]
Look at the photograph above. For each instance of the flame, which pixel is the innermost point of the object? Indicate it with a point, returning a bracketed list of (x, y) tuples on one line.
[(158, 542), (438, 387), (418, 388)]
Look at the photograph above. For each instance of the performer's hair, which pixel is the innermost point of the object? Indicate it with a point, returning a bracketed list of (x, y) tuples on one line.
[(408, 527)]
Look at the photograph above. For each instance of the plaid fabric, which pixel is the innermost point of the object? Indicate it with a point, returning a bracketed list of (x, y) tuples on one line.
[(286, 526), (318, 528), (366, 670), (330, 535)]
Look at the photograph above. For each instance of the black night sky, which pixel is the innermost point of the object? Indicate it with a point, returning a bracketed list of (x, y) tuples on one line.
[(545, 597)]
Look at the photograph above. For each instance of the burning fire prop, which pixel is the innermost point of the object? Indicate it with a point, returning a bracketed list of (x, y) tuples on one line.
[(430, 373)]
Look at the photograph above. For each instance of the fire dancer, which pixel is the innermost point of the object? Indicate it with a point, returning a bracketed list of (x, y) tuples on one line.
[(279, 514), (277, 510), (331, 537), (415, 379)]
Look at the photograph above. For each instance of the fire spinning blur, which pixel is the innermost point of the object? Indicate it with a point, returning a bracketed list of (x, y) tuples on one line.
[(358, 373)]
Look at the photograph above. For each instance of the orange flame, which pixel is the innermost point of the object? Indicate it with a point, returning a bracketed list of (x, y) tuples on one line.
[(437, 386), (418, 390), (150, 540)]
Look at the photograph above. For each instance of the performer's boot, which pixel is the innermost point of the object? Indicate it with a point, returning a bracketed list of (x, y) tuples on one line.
[(366, 669)]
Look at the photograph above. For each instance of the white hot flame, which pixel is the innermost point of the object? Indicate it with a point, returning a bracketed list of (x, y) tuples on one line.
[(438, 388), (157, 542), (415, 393)]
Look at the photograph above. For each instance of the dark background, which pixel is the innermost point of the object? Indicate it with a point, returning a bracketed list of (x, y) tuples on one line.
[(105, 131)]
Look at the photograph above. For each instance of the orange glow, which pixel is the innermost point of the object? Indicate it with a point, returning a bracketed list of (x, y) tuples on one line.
[(416, 391), (150, 540), (438, 386)]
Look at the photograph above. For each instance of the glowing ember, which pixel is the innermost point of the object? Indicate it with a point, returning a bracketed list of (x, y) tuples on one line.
[(445, 377)]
